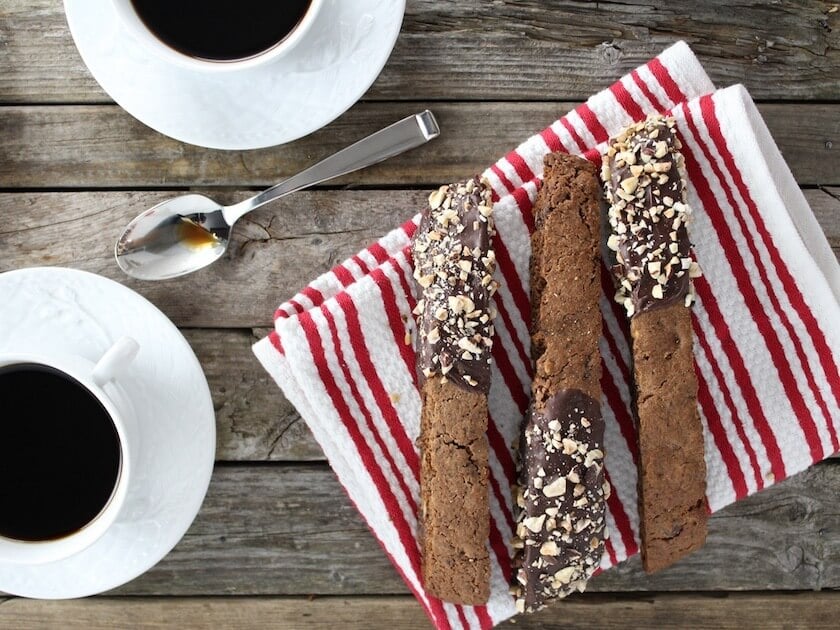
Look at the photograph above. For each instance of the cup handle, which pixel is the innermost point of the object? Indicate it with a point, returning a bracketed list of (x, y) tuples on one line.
[(115, 360)]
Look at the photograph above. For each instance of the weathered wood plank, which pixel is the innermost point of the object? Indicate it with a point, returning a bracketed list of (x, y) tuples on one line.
[(42, 147), (276, 250), (538, 50), (730, 611), (270, 530), (825, 203), (254, 421), (102, 146)]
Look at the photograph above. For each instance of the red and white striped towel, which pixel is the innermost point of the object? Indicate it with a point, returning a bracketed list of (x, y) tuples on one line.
[(767, 344)]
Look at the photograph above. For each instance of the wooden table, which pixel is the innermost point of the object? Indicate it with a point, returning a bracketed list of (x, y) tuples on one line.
[(277, 543)]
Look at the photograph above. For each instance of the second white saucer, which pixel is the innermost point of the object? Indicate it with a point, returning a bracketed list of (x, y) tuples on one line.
[(301, 91)]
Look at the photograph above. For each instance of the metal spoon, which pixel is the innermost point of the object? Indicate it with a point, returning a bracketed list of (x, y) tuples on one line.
[(184, 234)]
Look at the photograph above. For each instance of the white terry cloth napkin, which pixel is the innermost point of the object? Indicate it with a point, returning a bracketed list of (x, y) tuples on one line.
[(767, 344)]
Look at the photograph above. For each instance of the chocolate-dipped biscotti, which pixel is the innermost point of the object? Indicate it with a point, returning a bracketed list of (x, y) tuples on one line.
[(454, 263), (642, 173), (562, 493)]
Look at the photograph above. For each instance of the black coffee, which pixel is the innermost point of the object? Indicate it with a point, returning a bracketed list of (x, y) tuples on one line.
[(221, 30), (59, 454)]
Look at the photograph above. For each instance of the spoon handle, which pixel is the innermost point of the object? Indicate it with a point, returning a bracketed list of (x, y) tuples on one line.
[(406, 134)]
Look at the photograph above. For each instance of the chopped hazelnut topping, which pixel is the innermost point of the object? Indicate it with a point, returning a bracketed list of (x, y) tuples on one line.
[(534, 523), (556, 488), (647, 217), (454, 267)]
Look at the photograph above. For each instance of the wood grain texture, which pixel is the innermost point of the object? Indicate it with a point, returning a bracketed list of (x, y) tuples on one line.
[(269, 530), (291, 530), (826, 206), (701, 611), (84, 146), (537, 50), (275, 251), (254, 421)]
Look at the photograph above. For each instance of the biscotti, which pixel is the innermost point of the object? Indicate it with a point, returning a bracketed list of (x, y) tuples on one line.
[(642, 172), (562, 489), (454, 263)]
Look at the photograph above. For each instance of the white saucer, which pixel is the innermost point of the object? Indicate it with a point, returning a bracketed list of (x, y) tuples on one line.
[(83, 313), (295, 94)]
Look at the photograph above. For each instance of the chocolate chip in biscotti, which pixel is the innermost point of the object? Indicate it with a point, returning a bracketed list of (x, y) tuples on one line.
[(454, 264)]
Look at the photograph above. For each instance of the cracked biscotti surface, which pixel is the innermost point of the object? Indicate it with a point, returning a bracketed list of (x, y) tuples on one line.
[(642, 172), (453, 266), (562, 490)]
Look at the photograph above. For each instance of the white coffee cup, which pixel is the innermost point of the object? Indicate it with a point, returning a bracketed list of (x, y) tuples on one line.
[(137, 28), (101, 380)]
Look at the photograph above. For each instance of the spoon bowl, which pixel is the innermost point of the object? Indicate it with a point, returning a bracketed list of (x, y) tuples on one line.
[(187, 233), (173, 238)]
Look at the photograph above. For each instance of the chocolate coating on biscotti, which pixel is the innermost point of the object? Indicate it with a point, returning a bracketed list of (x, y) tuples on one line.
[(454, 500), (562, 491), (673, 513), (561, 532), (642, 173), (454, 263)]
